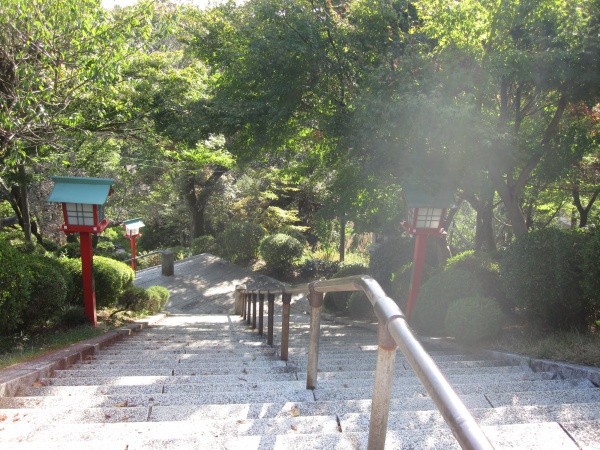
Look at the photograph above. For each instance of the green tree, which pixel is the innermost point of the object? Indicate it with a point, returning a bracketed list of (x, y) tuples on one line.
[(59, 62)]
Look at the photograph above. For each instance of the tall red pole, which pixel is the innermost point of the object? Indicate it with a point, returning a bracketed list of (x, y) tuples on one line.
[(417, 273), (87, 261), (133, 260)]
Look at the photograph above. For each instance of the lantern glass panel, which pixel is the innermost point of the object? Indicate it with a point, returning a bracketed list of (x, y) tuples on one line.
[(133, 231), (429, 218), (80, 214)]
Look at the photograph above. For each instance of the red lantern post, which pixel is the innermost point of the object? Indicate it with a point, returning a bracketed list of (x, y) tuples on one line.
[(425, 217), (83, 212), (132, 232)]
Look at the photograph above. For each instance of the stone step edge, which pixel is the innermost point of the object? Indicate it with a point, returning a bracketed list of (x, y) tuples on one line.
[(43, 366)]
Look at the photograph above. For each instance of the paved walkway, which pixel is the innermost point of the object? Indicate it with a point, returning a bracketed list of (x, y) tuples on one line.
[(205, 284)]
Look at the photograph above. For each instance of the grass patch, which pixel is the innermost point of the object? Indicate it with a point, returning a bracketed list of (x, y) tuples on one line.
[(569, 346), (23, 347)]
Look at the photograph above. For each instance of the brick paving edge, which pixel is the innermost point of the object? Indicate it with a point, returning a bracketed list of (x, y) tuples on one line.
[(13, 377)]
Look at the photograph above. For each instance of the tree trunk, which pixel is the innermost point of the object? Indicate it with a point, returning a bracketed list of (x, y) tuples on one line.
[(342, 236), (583, 211), (24, 206), (484, 232)]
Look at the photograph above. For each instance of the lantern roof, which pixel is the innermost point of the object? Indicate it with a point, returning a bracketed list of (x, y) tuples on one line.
[(418, 197), (89, 191), (133, 223)]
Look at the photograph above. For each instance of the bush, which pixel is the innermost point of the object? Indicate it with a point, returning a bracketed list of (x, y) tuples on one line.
[(51, 285), (180, 252), (240, 241), (16, 284), (486, 267), (294, 232), (401, 280), (111, 277), (360, 307), (280, 252), (437, 294), (541, 274), (205, 244), (474, 319), (313, 269), (387, 257), (159, 296), (590, 270), (134, 298), (73, 316), (338, 301)]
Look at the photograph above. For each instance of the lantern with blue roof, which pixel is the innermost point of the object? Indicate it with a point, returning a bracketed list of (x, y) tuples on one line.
[(425, 217), (83, 202)]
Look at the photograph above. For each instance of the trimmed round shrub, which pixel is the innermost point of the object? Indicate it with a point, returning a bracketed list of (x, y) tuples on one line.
[(437, 294), (338, 301), (474, 319), (387, 257), (205, 244), (590, 271), (486, 267), (401, 283), (280, 252), (51, 285), (159, 296), (313, 269), (73, 316), (16, 284), (359, 306), (73, 268), (134, 298), (541, 274), (111, 277), (240, 241), (294, 232)]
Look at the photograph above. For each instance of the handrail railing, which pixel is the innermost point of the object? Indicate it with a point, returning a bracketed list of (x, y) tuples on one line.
[(393, 332)]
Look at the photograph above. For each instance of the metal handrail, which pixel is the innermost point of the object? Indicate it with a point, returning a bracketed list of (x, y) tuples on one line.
[(393, 332)]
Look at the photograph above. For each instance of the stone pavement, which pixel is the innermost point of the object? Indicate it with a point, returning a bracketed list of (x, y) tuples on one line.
[(205, 284)]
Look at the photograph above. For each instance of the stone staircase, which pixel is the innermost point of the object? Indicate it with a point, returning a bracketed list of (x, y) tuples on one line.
[(209, 382)]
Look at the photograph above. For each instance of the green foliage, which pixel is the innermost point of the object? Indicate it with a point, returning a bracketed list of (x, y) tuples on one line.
[(314, 269), (138, 299), (590, 270), (111, 278), (205, 244), (474, 319), (51, 285), (401, 280), (133, 298), (387, 257), (360, 307), (437, 294), (294, 232), (240, 241), (338, 301), (181, 252), (280, 252), (486, 267), (16, 285), (541, 274), (73, 316), (159, 296)]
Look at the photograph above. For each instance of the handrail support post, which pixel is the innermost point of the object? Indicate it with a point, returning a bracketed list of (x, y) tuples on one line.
[(382, 392), (315, 299), (270, 319), (286, 299)]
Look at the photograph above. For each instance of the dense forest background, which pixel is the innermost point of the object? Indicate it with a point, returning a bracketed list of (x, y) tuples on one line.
[(307, 115)]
